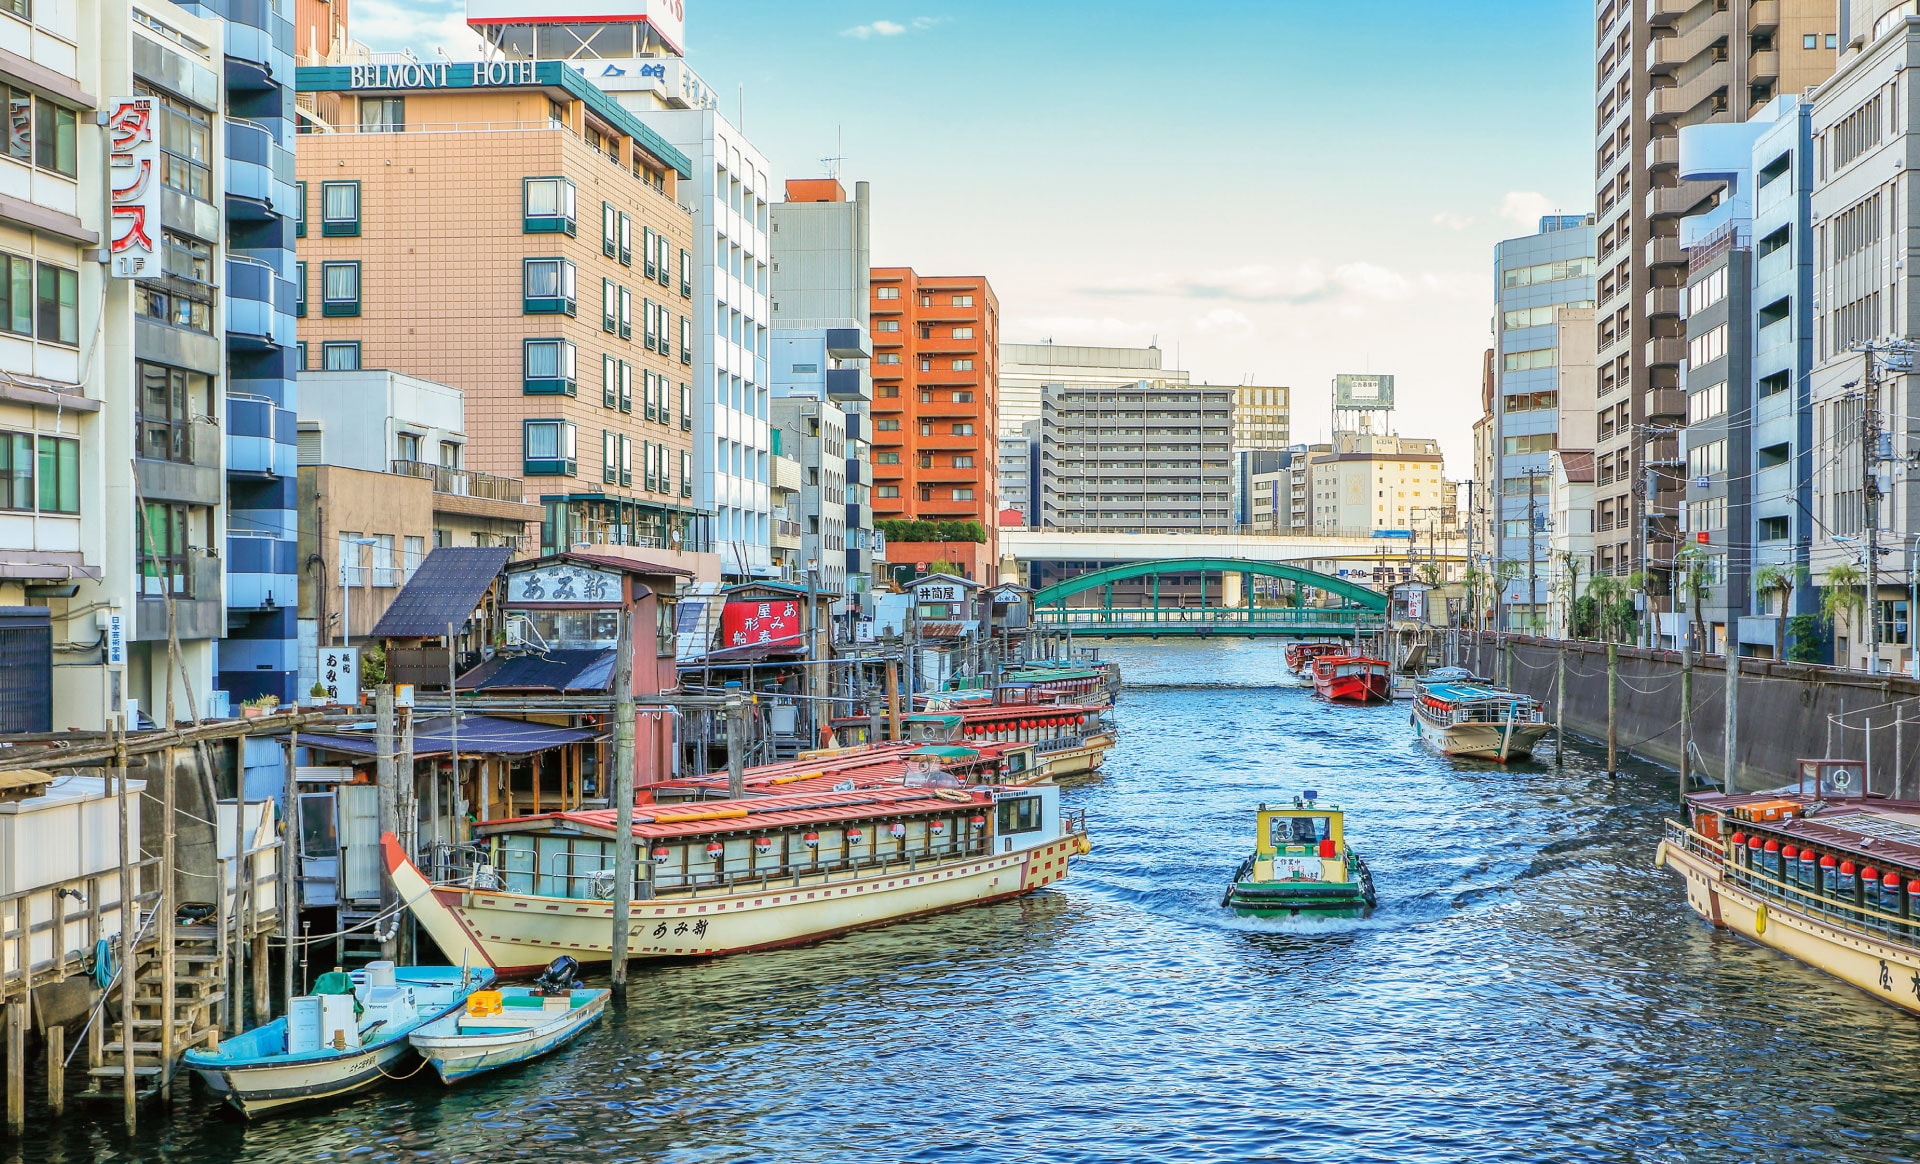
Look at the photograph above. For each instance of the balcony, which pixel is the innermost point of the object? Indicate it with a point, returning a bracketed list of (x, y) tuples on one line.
[(1663, 153), (1666, 401), (1663, 301), (263, 572), (1667, 53), (259, 173), (1764, 64), (1664, 12), (1665, 252), (1666, 350), (1669, 103), (259, 305), (1667, 201), (847, 384), (259, 44), (251, 447), (471, 494), (1763, 16)]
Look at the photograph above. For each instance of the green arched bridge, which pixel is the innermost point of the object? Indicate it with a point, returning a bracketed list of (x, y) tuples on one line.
[(1223, 602)]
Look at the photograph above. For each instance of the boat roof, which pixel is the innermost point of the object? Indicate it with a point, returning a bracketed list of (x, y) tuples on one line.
[(753, 814), (1884, 831), (1469, 692), (1053, 675)]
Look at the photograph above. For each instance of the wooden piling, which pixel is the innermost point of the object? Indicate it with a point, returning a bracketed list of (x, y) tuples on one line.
[(1560, 707), (169, 969), (17, 1062), (1733, 717), (289, 853), (1613, 716), (389, 809), (624, 863), (129, 1098), (56, 1069), (1686, 717)]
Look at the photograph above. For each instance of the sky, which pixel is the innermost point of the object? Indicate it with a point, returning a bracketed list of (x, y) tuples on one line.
[(1274, 190)]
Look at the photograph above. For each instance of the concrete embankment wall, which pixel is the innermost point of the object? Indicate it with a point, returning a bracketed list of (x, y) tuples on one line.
[(1787, 711)]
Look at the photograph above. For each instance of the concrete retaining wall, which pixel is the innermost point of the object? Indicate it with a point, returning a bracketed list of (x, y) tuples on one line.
[(1787, 711)]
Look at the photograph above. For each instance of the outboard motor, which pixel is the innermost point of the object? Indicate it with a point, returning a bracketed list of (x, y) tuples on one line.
[(561, 975)]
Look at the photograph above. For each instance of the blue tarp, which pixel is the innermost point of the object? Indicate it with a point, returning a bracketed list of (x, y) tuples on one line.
[(479, 734)]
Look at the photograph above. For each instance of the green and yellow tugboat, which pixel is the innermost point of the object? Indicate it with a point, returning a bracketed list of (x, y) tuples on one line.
[(1301, 864)]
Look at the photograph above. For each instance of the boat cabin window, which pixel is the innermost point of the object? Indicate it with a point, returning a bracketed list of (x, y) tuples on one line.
[(576, 630), (1298, 830), (1016, 762), (1019, 815), (549, 866)]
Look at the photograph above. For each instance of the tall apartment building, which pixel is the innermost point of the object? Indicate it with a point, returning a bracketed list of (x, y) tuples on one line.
[(936, 356), (814, 434), (1025, 372), (571, 332), (1543, 316), (638, 58), (821, 270), (1863, 289), (1144, 456), (158, 336), (1661, 65), (1262, 418)]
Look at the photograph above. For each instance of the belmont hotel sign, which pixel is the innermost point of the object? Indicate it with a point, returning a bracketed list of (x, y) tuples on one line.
[(442, 75)]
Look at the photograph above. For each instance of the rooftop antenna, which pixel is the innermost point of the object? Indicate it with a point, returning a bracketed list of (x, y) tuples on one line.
[(832, 164)]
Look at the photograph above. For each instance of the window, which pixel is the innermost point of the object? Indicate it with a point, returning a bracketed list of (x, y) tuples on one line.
[(887, 293), (16, 295), (300, 356), (59, 475), (609, 230), (626, 386), (1708, 515), (57, 305), (962, 428), (169, 400), (449, 454), (626, 314), (887, 359), (1532, 401), (413, 551), (383, 114), (686, 275), (963, 365), (1810, 41), (626, 239), (889, 391), (609, 382), (340, 209), (1708, 402), (340, 357), (548, 206), (1530, 360), (609, 306), (300, 290), (626, 460), (888, 458), (186, 146), (962, 333), (962, 494), (1707, 459), (887, 424), (19, 123), (886, 325), (300, 210), (1707, 291), (650, 265), (963, 301), (548, 448), (16, 471), (1706, 348), (339, 289), (1833, 40), (1775, 529), (665, 246), (1019, 815), (609, 456), (1537, 443), (384, 573), (686, 339), (164, 564), (963, 397), (1536, 316), (962, 461), (686, 407), (54, 147), (886, 490), (548, 368), (1547, 272), (547, 287)]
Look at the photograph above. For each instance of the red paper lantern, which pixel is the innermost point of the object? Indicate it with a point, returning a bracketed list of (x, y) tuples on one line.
[(715, 850), (896, 830), (812, 840), (660, 855), (854, 836), (762, 846), (978, 822)]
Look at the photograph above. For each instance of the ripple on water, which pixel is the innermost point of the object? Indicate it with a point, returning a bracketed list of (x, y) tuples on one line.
[(1529, 990)]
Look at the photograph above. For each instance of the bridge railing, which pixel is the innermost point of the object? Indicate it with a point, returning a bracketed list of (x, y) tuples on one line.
[(1272, 616)]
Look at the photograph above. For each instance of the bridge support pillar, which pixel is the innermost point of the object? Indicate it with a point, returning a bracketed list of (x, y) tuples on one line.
[(1230, 588)]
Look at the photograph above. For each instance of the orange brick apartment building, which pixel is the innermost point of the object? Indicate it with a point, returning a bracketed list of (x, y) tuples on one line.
[(510, 230), (936, 379)]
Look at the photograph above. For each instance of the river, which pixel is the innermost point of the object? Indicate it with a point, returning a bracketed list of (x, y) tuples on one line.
[(1530, 989)]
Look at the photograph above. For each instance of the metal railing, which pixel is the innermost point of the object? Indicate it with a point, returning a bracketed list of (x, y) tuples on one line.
[(1797, 895), (1307, 616), (463, 482)]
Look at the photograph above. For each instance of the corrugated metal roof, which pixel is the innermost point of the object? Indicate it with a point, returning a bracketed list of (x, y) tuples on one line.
[(445, 589), (556, 671)]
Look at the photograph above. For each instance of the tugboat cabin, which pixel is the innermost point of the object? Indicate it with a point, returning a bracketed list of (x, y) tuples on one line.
[(1306, 842)]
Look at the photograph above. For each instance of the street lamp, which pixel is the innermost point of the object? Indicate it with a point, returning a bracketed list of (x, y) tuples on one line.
[(346, 593)]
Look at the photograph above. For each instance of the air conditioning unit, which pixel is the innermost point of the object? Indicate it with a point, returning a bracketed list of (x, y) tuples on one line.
[(519, 631)]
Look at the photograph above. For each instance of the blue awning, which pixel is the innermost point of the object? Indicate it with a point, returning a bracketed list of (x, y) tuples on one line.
[(479, 735)]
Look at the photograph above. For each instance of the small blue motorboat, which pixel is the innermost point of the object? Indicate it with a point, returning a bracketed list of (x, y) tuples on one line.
[(340, 1039), (510, 1025)]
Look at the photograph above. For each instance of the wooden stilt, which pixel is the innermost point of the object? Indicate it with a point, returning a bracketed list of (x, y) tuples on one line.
[(16, 1067), (168, 969), (129, 1097), (56, 1070)]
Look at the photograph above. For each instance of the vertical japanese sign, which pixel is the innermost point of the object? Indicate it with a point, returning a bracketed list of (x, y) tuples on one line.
[(133, 182), (340, 674), (116, 639)]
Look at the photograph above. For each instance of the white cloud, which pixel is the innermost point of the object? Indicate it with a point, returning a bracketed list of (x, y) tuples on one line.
[(1525, 207), (420, 25), (1453, 221), (1223, 320), (1297, 285), (884, 28)]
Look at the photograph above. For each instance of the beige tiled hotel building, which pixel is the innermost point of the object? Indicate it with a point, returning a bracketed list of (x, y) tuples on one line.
[(506, 228)]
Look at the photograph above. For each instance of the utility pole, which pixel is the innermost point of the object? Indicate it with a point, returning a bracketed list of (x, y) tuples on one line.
[(1870, 497), (736, 746), (625, 849), (388, 799), (1533, 552)]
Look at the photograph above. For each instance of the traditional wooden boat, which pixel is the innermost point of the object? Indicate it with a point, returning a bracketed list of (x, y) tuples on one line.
[(1300, 656), (1301, 864), (1471, 717), (1352, 679), (727, 876), (1829, 879), (337, 1041), (1092, 686), (511, 1025), (1066, 740)]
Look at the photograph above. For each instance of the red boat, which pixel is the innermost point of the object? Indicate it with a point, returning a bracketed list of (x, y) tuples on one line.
[(1352, 679)]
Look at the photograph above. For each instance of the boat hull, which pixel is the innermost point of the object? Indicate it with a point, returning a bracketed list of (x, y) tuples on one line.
[(1483, 741), (1082, 759), (1291, 898), (458, 1057), (1887, 970), (263, 1089), (516, 933), (1369, 688)]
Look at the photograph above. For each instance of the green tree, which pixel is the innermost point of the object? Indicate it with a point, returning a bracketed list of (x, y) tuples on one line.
[(1567, 588), (1842, 594), (1691, 566), (1778, 579)]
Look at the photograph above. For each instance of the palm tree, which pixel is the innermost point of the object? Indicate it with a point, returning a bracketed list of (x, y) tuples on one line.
[(1691, 563), (1608, 593), (1778, 579), (1568, 585), (1842, 592)]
